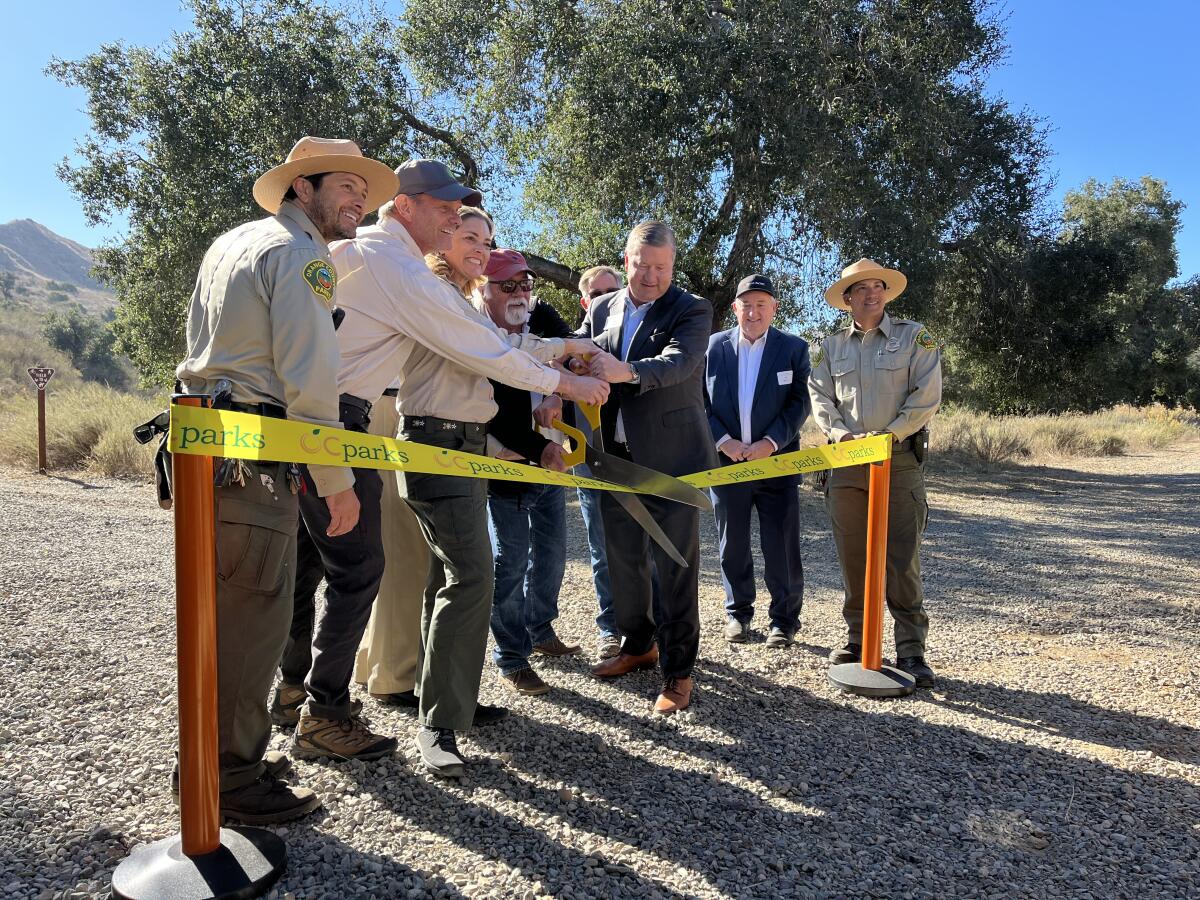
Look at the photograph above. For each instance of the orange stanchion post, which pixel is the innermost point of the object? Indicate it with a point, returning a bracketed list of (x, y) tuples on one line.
[(196, 642), (877, 527), (204, 861), (871, 678)]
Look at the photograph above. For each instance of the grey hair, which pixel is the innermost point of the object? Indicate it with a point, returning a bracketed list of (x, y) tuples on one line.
[(590, 275)]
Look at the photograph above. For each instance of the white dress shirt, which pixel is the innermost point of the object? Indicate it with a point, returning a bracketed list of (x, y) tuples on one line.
[(749, 361)]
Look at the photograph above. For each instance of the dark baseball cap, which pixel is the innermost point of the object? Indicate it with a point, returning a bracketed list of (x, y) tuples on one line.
[(428, 176), (755, 282)]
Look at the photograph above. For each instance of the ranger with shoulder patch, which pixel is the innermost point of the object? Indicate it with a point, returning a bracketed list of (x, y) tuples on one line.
[(260, 339), (879, 375)]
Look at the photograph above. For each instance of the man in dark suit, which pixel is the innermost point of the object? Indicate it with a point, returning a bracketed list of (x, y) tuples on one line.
[(652, 335), (756, 394)]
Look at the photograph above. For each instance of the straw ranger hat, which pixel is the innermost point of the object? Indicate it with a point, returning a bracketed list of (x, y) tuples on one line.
[(315, 156), (861, 271)]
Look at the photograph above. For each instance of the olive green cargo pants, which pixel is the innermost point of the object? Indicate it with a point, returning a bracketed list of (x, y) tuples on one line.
[(908, 513), (458, 591), (256, 577)]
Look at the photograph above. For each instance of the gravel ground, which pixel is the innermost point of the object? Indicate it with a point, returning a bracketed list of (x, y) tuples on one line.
[(1058, 757)]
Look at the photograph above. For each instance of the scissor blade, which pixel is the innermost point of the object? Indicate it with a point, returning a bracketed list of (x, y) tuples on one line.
[(622, 471), (642, 516)]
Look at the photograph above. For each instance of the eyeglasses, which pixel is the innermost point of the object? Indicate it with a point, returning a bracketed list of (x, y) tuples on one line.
[(510, 286)]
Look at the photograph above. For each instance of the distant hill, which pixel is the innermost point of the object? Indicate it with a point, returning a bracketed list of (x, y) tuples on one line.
[(48, 269)]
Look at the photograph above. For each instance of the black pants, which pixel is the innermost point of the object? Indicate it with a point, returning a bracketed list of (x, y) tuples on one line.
[(352, 565), (630, 552)]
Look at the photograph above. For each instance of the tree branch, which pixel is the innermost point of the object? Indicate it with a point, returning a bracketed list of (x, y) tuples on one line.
[(470, 167), (563, 276)]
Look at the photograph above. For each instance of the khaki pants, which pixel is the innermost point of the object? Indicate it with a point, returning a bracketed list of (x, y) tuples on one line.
[(387, 658), (908, 514), (256, 576)]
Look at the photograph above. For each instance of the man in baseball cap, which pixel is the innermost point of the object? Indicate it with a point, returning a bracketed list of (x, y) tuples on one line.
[(756, 396)]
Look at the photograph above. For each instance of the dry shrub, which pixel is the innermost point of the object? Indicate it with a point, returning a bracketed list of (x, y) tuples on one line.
[(89, 427), (976, 439)]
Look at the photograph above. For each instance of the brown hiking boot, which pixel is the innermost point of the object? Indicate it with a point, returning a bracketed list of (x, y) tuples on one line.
[(266, 801), (347, 738), (286, 702), (525, 681), (555, 647)]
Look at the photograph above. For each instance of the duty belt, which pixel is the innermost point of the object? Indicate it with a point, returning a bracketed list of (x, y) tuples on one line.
[(270, 410)]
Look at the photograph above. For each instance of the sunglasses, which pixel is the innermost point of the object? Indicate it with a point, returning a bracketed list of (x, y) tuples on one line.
[(592, 295), (509, 286)]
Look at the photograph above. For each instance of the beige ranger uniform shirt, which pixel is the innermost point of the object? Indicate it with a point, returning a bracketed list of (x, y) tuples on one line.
[(885, 379), (402, 318), (259, 316)]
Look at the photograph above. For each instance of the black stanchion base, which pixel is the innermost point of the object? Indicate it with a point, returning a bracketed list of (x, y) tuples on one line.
[(246, 864), (887, 682)]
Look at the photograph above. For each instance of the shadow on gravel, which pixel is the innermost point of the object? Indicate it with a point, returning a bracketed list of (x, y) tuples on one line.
[(911, 807), (1085, 537), (86, 485), (1069, 717)]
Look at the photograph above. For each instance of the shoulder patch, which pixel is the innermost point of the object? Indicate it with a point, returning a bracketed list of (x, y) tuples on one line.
[(320, 276), (925, 339)]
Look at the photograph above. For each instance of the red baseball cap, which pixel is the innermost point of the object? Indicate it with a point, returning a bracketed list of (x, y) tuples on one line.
[(506, 265)]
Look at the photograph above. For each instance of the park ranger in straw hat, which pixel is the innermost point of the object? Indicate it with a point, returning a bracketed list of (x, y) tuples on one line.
[(260, 339), (879, 375)]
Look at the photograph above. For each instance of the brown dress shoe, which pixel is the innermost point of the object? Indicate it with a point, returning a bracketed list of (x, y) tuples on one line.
[(676, 695), (624, 663)]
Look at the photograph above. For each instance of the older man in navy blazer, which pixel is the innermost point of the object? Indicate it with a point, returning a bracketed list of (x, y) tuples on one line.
[(756, 395)]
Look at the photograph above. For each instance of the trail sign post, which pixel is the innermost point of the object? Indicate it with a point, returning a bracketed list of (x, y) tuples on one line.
[(41, 376)]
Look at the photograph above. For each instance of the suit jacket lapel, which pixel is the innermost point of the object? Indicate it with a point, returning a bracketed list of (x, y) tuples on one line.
[(730, 361), (657, 312), (613, 322), (766, 368)]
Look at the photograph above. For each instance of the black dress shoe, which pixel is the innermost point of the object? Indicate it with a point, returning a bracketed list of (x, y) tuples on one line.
[(916, 667), (488, 715)]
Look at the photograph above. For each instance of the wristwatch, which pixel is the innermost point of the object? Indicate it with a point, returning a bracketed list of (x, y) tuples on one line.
[(635, 378)]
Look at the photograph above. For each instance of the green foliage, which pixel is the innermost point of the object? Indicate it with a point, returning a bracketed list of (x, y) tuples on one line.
[(782, 135), (89, 343), (1079, 319), (8, 283), (179, 134)]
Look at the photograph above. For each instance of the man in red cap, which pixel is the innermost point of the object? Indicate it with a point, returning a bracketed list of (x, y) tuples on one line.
[(527, 523)]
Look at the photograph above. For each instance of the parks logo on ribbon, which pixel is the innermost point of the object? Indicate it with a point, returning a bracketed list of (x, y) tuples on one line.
[(321, 278)]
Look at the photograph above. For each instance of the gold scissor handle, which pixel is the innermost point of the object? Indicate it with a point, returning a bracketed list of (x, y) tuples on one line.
[(578, 444)]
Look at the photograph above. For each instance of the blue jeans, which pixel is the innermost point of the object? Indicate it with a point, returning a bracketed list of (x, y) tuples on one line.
[(589, 505), (529, 540)]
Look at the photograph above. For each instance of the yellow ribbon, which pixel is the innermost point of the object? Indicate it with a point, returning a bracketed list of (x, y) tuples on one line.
[(219, 432)]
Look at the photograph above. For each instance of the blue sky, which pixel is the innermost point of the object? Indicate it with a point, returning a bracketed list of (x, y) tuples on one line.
[(1116, 81)]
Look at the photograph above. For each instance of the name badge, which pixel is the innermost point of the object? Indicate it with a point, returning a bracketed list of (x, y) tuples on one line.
[(784, 377)]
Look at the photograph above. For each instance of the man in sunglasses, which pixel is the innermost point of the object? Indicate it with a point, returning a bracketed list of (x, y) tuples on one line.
[(527, 521), (594, 283)]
